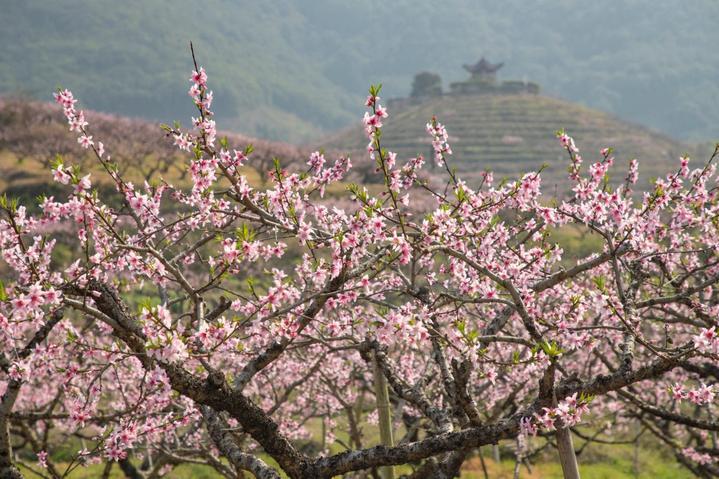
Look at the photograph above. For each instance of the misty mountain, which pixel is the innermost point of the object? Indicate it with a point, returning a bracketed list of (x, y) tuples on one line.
[(295, 70)]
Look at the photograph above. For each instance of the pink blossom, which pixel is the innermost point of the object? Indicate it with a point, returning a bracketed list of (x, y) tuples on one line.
[(42, 459), (85, 141)]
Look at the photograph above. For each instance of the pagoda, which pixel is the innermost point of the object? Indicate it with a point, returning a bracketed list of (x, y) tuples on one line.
[(483, 71), (483, 80)]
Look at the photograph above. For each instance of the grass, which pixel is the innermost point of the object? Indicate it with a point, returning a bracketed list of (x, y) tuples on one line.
[(577, 241), (598, 461), (187, 471), (617, 470), (651, 465)]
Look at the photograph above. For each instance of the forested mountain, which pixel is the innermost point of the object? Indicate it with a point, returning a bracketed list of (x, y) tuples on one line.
[(297, 69)]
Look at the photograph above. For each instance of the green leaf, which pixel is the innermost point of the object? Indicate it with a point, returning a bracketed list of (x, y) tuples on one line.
[(58, 161), (600, 282), (9, 204), (551, 349), (245, 233), (251, 285), (71, 337)]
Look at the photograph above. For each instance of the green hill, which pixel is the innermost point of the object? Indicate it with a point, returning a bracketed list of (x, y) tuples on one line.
[(511, 134), (293, 70)]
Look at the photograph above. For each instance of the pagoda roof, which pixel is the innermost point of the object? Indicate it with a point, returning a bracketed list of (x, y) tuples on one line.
[(483, 66)]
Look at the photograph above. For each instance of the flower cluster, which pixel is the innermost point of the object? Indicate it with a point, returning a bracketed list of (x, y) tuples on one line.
[(699, 458), (164, 341), (568, 412), (76, 120), (440, 141), (575, 158), (372, 121), (702, 395), (708, 340), (324, 176)]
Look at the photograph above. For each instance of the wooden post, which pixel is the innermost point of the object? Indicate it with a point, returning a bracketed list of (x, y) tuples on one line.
[(484, 466), (567, 457), (385, 416)]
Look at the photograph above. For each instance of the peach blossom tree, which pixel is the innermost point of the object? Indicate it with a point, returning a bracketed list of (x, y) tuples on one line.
[(262, 331)]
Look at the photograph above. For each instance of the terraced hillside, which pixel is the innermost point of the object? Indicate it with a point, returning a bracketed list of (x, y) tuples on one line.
[(511, 134)]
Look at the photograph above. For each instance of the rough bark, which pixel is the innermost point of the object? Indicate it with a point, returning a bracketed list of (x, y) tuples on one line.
[(228, 447)]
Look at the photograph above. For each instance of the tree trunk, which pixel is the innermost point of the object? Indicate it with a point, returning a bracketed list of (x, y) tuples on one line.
[(567, 457), (7, 468), (385, 417)]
